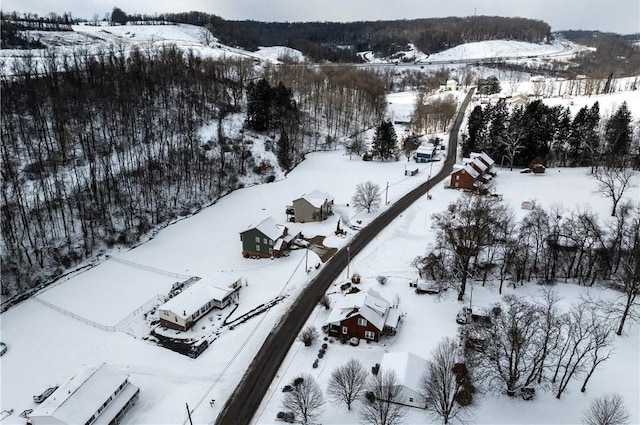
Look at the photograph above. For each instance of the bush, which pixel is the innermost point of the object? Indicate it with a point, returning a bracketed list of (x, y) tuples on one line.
[(287, 389), (308, 336), (381, 280), (299, 380), (324, 345), (325, 302)]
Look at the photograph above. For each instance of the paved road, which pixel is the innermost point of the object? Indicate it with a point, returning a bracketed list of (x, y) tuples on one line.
[(247, 397)]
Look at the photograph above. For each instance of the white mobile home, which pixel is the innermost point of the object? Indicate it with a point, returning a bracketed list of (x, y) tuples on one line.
[(183, 310)]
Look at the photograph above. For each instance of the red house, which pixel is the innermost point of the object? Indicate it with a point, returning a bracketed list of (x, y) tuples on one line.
[(363, 315), (464, 178)]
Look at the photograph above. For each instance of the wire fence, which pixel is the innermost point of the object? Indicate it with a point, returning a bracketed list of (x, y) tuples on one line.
[(75, 316), (150, 269)]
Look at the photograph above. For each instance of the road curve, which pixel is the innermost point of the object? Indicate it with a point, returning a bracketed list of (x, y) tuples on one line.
[(246, 398)]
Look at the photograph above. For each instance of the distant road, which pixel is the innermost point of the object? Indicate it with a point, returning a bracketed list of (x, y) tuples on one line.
[(246, 398)]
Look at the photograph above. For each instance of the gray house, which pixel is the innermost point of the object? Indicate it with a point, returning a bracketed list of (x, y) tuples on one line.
[(266, 239), (314, 206)]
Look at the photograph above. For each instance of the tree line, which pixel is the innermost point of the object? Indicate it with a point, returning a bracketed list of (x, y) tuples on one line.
[(100, 148), (518, 136)]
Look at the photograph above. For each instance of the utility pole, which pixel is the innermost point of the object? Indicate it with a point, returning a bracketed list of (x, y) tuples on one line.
[(189, 414), (348, 258), (386, 193), (306, 261)]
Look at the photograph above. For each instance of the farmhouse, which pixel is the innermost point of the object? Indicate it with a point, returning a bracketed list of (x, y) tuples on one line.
[(95, 395), (464, 178), (183, 310), (314, 206), (364, 315), (424, 154), (266, 239), (408, 369)]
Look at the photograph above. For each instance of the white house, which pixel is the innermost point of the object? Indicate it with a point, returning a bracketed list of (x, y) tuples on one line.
[(183, 310), (408, 368), (95, 395)]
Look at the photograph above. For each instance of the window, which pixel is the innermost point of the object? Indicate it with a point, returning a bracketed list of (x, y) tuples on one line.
[(457, 177), (345, 330), (410, 399), (264, 241), (258, 248), (258, 239), (369, 335), (362, 321), (271, 251), (271, 242)]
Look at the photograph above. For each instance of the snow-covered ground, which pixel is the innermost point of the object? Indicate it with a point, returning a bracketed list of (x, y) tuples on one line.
[(430, 318), (49, 342)]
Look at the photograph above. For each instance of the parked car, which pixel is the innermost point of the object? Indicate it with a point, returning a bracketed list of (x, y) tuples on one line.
[(39, 398), (3, 348), (464, 316), (197, 349)]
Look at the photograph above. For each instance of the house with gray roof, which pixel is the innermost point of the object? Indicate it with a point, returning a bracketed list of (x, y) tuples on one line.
[(266, 239), (366, 315)]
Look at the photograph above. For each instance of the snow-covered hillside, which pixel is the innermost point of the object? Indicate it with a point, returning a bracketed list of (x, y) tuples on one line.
[(188, 37)]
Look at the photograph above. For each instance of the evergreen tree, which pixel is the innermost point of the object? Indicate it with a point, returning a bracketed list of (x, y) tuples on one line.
[(476, 126), (259, 101), (618, 135), (284, 151), (385, 141)]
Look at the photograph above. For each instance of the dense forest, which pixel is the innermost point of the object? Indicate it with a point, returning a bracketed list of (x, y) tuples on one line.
[(335, 41), (99, 149)]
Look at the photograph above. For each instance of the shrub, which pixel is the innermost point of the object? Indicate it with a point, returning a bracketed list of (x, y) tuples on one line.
[(308, 335), (381, 280), (299, 380)]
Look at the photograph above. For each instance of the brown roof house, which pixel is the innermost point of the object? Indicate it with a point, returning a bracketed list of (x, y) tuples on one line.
[(314, 206), (266, 239), (366, 315)]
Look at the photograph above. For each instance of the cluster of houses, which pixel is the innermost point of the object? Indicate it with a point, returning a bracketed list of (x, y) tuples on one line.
[(475, 170), (268, 238), (97, 394)]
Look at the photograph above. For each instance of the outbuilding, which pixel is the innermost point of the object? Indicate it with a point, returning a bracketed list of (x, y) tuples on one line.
[(408, 368), (98, 394)]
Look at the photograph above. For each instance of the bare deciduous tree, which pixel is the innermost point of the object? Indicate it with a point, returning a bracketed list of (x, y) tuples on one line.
[(606, 410), (613, 183), (448, 394), (367, 196), (347, 383), (380, 406), (305, 399)]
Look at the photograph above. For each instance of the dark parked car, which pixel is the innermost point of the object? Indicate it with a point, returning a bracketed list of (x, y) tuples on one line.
[(197, 349), (3, 348), (39, 398)]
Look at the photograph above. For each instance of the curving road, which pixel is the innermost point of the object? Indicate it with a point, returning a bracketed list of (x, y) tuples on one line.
[(246, 398)]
